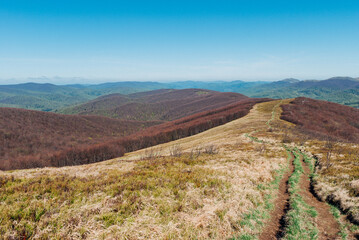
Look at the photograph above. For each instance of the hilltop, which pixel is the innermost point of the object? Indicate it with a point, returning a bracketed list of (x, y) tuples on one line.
[(343, 90), (322, 118), (164, 104)]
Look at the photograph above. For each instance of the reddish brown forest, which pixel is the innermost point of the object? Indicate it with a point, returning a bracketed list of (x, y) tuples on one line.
[(32, 134), (109, 148), (323, 119), (164, 104)]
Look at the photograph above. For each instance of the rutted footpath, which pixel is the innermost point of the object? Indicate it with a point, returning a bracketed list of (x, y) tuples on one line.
[(297, 214)]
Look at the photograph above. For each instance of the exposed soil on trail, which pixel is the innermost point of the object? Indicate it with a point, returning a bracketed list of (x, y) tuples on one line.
[(327, 226), (275, 226)]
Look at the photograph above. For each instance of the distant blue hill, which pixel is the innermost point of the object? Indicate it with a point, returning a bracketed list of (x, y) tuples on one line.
[(50, 97)]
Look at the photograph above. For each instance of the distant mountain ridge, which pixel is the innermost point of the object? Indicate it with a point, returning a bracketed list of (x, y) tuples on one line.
[(50, 97), (343, 90)]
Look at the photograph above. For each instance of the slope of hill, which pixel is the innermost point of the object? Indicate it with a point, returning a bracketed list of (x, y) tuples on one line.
[(49, 97), (44, 97), (25, 133), (343, 90), (162, 104), (127, 87), (235, 181), (221, 86), (330, 133), (323, 118), (41, 139)]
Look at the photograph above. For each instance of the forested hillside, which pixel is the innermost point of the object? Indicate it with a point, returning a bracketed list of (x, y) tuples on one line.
[(324, 119), (25, 133), (164, 104), (38, 139)]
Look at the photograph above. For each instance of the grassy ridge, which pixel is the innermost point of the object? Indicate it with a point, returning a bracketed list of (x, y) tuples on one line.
[(110, 147)]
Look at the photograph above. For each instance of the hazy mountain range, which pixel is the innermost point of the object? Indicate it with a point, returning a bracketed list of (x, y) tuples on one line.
[(50, 97)]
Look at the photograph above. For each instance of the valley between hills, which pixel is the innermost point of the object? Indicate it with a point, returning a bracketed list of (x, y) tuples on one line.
[(263, 174)]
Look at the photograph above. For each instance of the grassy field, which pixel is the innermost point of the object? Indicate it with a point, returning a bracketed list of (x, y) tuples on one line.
[(200, 187), (336, 180)]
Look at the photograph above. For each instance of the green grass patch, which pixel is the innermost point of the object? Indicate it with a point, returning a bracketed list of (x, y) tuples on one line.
[(300, 217), (343, 229)]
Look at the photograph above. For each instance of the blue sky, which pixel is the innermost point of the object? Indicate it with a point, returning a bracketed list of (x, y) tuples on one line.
[(178, 40)]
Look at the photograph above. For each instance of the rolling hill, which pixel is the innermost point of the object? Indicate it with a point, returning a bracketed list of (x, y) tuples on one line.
[(164, 104), (343, 90), (44, 97), (49, 97), (322, 118), (34, 138)]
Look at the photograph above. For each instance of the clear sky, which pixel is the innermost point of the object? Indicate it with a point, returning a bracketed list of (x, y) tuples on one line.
[(178, 40)]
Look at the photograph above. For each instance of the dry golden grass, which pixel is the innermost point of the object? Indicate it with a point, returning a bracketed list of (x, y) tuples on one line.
[(337, 179), (165, 197)]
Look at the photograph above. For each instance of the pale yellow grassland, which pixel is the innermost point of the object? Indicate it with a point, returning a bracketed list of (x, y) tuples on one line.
[(339, 179)]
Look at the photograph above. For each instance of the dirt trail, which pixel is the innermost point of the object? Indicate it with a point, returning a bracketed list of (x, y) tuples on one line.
[(328, 227), (275, 226)]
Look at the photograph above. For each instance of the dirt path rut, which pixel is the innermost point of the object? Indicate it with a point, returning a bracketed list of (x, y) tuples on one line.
[(275, 226), (275, 229), (328, 227)]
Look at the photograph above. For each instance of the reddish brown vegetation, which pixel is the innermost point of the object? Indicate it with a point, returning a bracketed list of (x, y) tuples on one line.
[(187, 126), (27, 134), (323, 119), (164, 104), (149, 137)]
